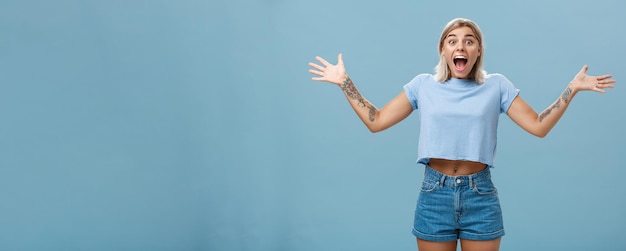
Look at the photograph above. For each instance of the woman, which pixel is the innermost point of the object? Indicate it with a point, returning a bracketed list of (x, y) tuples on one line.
[(459, 110)]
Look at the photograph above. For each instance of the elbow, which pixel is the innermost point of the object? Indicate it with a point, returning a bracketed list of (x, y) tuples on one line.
[(537, 131), (539, 134), (375, 129)]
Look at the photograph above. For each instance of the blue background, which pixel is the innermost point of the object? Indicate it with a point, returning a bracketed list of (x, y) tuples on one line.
[(194, 125)]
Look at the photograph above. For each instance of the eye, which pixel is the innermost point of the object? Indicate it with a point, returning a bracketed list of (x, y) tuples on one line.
[(469, 42), (452, 42)]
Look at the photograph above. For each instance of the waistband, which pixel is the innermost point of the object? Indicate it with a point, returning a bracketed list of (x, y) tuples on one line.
[(461, 180)]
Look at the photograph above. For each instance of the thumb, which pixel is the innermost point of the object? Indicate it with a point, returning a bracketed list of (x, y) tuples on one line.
[(340, 59), (584, 70)]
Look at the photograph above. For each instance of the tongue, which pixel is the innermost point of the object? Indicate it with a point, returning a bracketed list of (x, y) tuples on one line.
[(460, 64)]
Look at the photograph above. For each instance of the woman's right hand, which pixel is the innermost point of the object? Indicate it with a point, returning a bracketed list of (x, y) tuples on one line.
[(328, 72)]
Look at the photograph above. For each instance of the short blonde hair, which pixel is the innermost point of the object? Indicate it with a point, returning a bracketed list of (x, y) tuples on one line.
[(442, 71)]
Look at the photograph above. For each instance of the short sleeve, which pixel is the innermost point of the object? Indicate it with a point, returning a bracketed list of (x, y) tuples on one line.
[(508, 92), (411, 90)]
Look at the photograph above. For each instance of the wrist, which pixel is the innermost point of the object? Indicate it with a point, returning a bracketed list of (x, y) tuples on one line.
[(569, 92), (345, 80), (573, 87)]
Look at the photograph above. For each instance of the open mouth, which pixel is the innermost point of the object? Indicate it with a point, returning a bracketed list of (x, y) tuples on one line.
[(460, 62)]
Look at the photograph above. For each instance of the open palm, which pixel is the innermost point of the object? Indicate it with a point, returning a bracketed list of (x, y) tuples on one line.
[(582, 81), (328, 72)]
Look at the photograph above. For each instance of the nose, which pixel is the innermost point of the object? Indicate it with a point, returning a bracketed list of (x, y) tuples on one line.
[(460, 47)]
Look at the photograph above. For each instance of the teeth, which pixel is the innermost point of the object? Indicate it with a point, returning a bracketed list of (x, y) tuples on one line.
[(460, 57)]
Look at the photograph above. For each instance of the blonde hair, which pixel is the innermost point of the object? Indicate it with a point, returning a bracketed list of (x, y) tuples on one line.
[(442, 71)]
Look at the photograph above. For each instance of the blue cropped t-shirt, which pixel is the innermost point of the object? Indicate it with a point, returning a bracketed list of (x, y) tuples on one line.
[(459, 118)]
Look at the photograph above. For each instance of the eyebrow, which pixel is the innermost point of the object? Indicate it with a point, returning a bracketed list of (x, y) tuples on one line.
[(454, 35)]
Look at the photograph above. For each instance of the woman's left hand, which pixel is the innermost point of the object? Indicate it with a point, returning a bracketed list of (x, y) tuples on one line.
[(582, 81)]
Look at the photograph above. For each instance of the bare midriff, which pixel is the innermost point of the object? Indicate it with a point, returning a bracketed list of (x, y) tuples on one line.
[(456, 167)]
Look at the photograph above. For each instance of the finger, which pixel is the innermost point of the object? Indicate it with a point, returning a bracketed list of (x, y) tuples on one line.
[(317, 78), (323, 61), (604, 77), (604, 86), (319, 73), (584, 70), (607, 81), (316, 66), (340, 59)]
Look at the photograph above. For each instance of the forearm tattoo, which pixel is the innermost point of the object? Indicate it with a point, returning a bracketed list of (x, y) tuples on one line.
[(547, 112), (566, 94), (566, 98), (350, 90)]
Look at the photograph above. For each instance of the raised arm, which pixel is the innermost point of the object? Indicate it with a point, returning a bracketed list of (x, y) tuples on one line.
[(540, 124), (374, 119)]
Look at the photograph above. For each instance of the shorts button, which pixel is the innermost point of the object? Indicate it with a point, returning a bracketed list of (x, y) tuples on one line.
[(458, 181)]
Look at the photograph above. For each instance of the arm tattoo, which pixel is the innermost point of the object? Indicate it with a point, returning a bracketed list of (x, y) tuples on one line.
[(547, 112), (566, 94), (566, 98), (348, 87), (372, 113)]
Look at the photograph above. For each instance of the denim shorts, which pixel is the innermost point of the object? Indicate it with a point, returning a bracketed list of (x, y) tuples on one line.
[(458, 207)]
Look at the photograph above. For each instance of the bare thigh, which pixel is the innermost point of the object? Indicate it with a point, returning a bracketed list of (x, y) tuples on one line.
[(470, 245), (424, 245), (466, 245)]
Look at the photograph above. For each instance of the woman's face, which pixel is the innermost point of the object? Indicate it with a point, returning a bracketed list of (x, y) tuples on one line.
[(461, 50)]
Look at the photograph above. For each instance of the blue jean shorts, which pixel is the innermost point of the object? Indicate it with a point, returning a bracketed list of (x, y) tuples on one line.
[(458, 207)]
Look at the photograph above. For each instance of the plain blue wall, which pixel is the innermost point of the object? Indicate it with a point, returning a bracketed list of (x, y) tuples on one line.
[(194, 125)]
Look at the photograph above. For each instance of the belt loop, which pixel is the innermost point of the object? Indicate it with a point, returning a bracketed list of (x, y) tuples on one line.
[(443, 180), (471, 181)]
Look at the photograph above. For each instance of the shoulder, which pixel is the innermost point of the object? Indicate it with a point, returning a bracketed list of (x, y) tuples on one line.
[(508, 91), (495, 77), (414, 87), (421, 79), (499, 79)]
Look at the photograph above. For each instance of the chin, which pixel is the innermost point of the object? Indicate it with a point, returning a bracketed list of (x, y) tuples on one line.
[(461, 76)]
